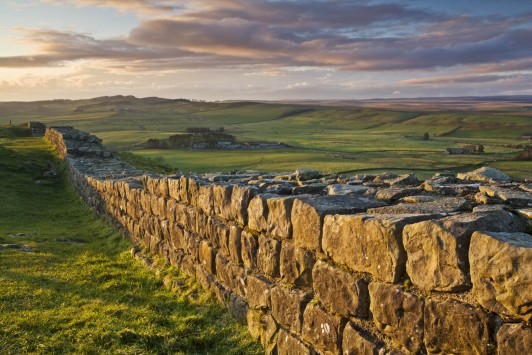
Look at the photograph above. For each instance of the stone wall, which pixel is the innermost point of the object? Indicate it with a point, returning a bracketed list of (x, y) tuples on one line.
[(373, 264)]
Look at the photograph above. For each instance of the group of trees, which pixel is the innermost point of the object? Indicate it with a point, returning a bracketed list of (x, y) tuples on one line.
[(193, 135)]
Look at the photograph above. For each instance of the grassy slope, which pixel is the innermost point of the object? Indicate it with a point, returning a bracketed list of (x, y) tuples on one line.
[(78, 290), (332, 139)]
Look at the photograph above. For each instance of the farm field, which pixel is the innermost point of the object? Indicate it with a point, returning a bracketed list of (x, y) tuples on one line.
[(70, 286), (334, 137)]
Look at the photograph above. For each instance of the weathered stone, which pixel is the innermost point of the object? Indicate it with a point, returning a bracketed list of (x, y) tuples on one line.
[(397, 314), (354, 343), (240, 197), (230, 275), (173, 187), (485, 174), (383, 177), (258, 291), (514, 197), (368, 243), (395, 193), (296, 265), (288, 306), (514, 339), (279, 212), (484, 198), (222, 200), (437, 249), (406, 179), (206, 199), (442, 205), (418, 199), (525, 213), (344, 189), (308, 213), (321, 329), (452, 327), (268, 256), (235, 244), (313, 189), (258, 212), (303, 174), (262, 327), (288, 345), (237, 306), (207, 255), (193, 186), (250, 246), (501, 265), (183, 191), (339, 291)]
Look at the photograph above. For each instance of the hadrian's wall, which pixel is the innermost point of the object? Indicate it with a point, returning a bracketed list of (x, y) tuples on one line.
[(379, 264)]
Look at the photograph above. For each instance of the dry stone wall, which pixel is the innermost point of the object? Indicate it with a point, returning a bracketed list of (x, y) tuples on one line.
[(373, 264)]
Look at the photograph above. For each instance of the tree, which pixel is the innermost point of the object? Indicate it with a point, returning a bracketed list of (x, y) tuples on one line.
[(426, 136), (480, 148)]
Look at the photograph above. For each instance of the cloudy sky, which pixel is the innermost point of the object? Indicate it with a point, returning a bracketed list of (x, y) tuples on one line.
[(264, 49)]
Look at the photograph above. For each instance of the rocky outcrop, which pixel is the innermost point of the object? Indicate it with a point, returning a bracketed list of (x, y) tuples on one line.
[(325, 264)]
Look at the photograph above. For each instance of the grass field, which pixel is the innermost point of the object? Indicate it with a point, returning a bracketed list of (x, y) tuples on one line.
[(69, 285), (336, 137)]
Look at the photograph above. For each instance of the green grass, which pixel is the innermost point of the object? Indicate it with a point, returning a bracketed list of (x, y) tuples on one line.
[(74, 288)]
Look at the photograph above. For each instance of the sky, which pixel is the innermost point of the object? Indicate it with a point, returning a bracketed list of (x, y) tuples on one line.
[(264, 49)]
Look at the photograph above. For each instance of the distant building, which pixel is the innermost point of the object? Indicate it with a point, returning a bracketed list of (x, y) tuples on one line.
[(454, 151), (527, 136)]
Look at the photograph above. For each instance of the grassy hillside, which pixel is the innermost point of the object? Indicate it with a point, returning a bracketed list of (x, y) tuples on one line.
[(336, 137), (69, 285)]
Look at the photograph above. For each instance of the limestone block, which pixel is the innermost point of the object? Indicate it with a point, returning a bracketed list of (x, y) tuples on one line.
[(183, 190), (516, 197), (163, 188), (395, 193), (296, 265), (339, 291), (368, 243), (304, 174), (279, 212), (207, 255), (344, 189), (288, 306), (258, 212), (235, 244), (206, 199), (321, 329), (230, 275), (514, 339), (441, 205), (240, 197), (485, 174), (501, 272), (308, 213), (237, 306), (397, 314), (222, 200), (438, 249), (173, 188), (250, 246), (262, 327), (268, 256), (452, 327), (354, 343), (288, 345), (258, 291), (193, 187)]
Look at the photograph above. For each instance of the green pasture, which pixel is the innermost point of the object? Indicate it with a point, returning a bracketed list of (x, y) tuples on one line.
[(70, 286)]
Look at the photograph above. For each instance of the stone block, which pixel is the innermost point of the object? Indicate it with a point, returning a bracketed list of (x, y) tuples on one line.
[(397, 314), (258, 212), (368, 243), (193, 186), (207, 255), (183, 190), (279, 212), (339, 291), (514, 339), (173, 188), (237, 306), (308, 213), (395, 193), (452, 327), (230, 275), (322, 329), (206, 199), (486, 174), (501, 269), (222, 200), (439, 206), (354, 343), (268, 256), (288, 345), (516, 197), (240, 198), (263, 328), (438, 249), (296, 265), (250, 246), (235, 244), (288, 307), (258, 291)]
